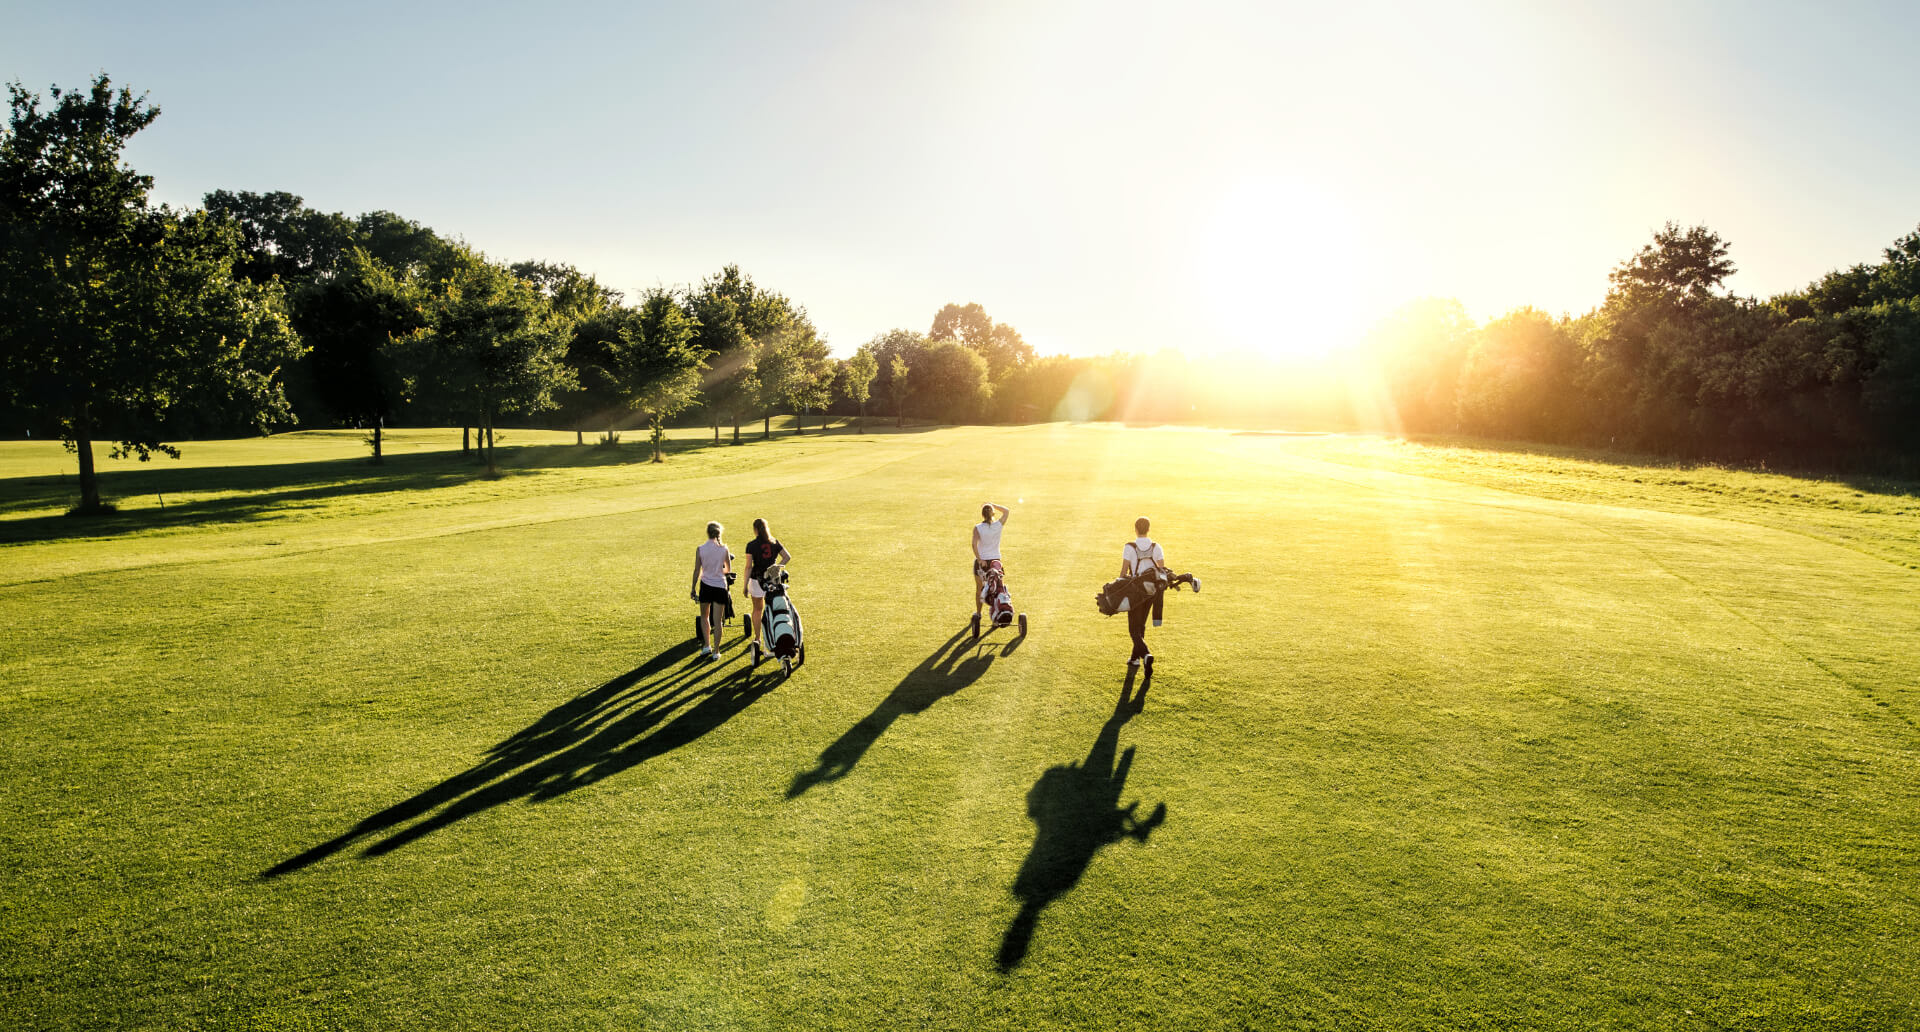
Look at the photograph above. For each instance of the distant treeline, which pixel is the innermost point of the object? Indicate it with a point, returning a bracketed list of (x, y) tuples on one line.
[(1670, 363), (136, 324)]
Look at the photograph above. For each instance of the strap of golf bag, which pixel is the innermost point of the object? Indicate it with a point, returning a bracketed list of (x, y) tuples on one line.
[(1133, 569)]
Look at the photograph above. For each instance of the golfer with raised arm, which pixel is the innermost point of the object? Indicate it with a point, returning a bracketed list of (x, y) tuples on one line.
[(712, 562), (986, 549)]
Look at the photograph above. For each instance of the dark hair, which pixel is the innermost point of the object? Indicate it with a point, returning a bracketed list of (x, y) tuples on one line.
[(1140, 526), (760, 530), (713, 531), (986, 512)]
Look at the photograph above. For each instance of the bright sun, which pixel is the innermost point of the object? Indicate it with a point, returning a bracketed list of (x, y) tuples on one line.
[(1279, 271)]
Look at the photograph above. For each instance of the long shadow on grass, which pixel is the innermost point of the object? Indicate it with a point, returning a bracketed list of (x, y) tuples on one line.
[(661, 706), (1076, 812), (954, 665)]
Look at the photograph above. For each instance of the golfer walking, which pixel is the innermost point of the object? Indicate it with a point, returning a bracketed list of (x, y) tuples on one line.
[(763, 554), (712, 563), (986, 549), (1141, 555)]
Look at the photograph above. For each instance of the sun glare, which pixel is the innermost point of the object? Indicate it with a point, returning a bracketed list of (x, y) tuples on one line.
[(1278, 271)]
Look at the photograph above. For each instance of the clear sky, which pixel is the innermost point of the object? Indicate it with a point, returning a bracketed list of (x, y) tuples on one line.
[(1103, 176)]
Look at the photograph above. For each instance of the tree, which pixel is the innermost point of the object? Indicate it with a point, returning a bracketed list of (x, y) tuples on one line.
[(905, 345), (281, 236), (1518, 377), (493, 344), (856, 379), (656, 364), (357, 322), (897, 387), (115, 315), (954, 379), (1681, 268), (998, 343)]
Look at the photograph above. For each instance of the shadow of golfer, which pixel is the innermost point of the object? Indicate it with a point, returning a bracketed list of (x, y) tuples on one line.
[(635, 717), (1076, 812), (954, 665)]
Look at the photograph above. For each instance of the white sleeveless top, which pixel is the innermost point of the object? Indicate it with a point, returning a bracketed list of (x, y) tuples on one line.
[(713, 563), (989, 539)]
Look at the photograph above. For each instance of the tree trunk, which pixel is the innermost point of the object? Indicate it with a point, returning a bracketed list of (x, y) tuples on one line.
[(378, 459), (716, 428), (464, 449), (863, 417), (486, 431), (89, 482), (799, 422), (766, 430), (736, 428), (579, 437)]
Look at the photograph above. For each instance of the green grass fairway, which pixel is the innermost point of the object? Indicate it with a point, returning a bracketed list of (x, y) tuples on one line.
[(1453, 738)]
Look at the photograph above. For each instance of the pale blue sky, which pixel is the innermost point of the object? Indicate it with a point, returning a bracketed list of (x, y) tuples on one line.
[(1101, 175)]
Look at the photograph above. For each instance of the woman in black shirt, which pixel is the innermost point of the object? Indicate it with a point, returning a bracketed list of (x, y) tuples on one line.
[(763, 553)]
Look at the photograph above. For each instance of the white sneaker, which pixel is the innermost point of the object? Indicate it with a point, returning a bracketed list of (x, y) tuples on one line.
[(1133, 662), (1196, 585)]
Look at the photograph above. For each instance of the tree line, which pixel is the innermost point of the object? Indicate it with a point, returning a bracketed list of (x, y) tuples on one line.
[(133, 324), (1672, 362)]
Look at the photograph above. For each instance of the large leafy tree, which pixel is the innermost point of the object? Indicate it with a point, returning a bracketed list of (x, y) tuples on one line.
[(116, 315), (998, 343), (281, 236), (655, 364), (953, 379), (1681, 268), (358, 322), (493, 344)]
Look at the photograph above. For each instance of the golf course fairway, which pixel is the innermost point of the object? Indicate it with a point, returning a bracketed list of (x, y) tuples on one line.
[(1451, 738)]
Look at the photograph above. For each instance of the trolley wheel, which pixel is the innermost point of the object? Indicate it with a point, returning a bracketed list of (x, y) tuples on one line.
[(696, 628), (976, 626), (755, 649), (786, 668), (1023, 625), (800, 656), (746, 624)]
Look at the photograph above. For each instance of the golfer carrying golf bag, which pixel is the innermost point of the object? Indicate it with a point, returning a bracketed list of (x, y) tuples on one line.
[(1141, 555)]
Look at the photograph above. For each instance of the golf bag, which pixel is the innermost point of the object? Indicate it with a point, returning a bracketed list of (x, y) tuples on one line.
[(994, 593), (780, 620), (1149, 587)]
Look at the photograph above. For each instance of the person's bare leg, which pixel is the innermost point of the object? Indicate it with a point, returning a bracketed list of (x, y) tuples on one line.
[(979, 593), (704, 630), (759, 607)]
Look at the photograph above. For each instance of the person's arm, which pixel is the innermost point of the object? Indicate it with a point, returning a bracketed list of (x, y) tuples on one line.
[(694, 588), (751, 561), (1126, 565), (1002, 510), (785, 556), (976, 543), (1159, 557)]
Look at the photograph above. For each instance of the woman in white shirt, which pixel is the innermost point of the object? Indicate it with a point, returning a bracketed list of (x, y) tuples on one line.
[(712, 562), (986, 548)]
